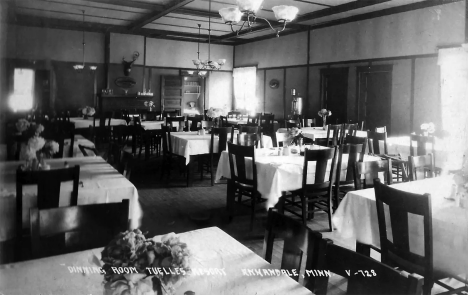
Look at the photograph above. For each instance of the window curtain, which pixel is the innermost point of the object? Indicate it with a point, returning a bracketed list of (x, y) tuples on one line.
[(245, 88)]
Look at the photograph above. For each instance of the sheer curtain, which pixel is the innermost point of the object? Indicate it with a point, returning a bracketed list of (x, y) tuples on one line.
[(244, 89)]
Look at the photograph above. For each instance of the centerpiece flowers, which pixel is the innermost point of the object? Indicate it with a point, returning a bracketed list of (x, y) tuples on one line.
[(428, 128), (156, 267), (149, 104), (88, 112), (215, 113), (295, 136), (34, 147), (324, 113)]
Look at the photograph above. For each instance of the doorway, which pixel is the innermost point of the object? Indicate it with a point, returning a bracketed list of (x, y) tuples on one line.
[(374, 96), (334, 93)]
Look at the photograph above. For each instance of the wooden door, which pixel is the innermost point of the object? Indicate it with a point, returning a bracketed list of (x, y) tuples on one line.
[(374, 96), (334, 92)]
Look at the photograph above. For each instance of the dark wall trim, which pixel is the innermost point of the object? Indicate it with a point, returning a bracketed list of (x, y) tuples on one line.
[(106, 58), (264, 90), (370, 61), (284, 93), (305, 102)]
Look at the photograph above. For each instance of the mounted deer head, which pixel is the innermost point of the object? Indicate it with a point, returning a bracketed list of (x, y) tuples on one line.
[(128, 64)]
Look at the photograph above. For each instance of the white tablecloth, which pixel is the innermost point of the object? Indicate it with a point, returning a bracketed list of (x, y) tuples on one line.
[(152, 125), (81, 123), (401, 145), (310, 132), (193, 144), (101, 184), (211, 248), (277, 174), (356, 217)]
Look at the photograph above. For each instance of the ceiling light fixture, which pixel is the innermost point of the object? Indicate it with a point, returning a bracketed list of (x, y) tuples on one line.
[(249, 8), (80, 67), (207, 65)]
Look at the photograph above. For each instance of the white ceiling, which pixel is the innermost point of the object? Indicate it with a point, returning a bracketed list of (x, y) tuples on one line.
[(181, 21)]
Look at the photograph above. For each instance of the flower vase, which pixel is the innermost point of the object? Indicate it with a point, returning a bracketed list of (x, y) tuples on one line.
[(324, 122), (150, 109)]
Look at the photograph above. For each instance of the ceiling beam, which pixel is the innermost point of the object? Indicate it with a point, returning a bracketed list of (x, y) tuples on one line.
[(53, 23), (158, 14), (339, 9)]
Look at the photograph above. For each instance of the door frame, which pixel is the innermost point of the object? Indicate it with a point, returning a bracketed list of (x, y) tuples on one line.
[(373, 69), (327, 71)]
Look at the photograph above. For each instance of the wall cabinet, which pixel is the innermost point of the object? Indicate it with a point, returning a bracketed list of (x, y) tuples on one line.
[(181, 93)]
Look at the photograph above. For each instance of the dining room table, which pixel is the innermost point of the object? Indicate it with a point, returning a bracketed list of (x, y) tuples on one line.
[(356, 219), (219, 265), (99, 182), (277, 174), (319, 132), (79, 140), (191, 145)]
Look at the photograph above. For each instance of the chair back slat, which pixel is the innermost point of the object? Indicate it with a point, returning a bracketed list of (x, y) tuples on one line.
[(334, 140), (396, 250), (299, 241), (69, 229), (421, 167), (237, 162), (375, 139), (322, 158), (421, 143), (366, 276), (371, 170)]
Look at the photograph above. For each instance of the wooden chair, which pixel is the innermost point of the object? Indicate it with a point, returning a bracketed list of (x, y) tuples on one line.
[(233, 115), (257, 130), (421, 167), (371, 170), (223, 121), (192, 123), (316, 196), (419, 146), (375, 139), (291, 124), (206, 124), (169, 158), (170, 122), (348, 129), (332, 139), (381, 129), (267, 124), (48, 192), (299, 241), (395, 251), (242, 182), (255, 120), (212, 159), (309, 122), (88, 151), (355, 153), (366, 276), (76, 228)]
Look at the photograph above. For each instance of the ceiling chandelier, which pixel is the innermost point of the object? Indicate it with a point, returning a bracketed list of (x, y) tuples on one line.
[(207, 65), (249, 8), (80, 67)]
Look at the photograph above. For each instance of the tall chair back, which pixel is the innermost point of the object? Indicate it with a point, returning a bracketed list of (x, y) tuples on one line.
[(422, 143), (299, 241), (375, 140), (334, 134), (366, 276), (421, 167), (76, 228), (237, 161), (370, 170), (395, 248)]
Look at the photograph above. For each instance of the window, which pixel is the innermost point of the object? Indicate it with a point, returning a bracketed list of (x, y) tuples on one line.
[(22, 97), (245, 80)]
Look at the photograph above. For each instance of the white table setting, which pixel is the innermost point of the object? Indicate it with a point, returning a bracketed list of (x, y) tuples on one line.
[(99, 183)]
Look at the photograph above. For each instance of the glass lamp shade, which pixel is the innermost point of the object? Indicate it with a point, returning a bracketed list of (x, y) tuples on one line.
[(202, 73), (221, 61), (230, 15), (190, 72), (78, 67), (285, 13), (93, 68), (249, 5), (196, 62)]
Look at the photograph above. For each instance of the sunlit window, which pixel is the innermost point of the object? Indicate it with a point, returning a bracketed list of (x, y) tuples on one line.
[(22, 97), (244, 88)]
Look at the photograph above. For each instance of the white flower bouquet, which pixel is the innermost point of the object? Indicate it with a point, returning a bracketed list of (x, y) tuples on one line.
[(88, 111), (156, 265), (215, 112), (324, 112), (428, 127)]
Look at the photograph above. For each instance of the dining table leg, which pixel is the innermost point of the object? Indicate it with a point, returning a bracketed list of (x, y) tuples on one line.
[(190, 170)]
